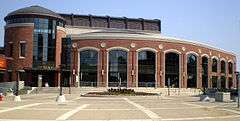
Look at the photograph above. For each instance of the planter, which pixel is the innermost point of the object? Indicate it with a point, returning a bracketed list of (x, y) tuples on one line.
[(222, 97), (204, 98)]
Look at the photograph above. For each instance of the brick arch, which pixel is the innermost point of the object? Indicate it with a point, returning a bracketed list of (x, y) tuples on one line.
[(172, 50), (88, 48), (147, 48), (118, 48)]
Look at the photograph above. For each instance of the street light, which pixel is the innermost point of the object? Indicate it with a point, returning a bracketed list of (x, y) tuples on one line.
[(237, 79), (61, 98), (17, 97)]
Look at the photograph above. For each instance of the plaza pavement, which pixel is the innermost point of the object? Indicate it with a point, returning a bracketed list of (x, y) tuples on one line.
[(42, 107)]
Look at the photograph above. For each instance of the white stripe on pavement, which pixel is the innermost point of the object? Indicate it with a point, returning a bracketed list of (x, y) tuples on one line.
[(77, 120), (232, 111), (200, 118), (151, 114), (20, 107), (195, 105), (72, 112)]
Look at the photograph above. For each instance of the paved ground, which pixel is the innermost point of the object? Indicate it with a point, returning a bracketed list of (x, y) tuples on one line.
[(42, 107)]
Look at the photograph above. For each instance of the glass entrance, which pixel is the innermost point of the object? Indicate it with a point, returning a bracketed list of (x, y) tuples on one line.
[(88, 68), (117, 70), (146, 69), (172, 70)]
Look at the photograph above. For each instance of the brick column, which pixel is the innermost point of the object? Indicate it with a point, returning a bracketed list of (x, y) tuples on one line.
[(103, 68), (199, 72), (131, 69), (184, 67), (158, 84), (162, 66), (134, 67), (162, 69)]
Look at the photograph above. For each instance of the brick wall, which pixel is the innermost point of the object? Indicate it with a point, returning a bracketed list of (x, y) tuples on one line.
[(14, 35), (184, 49)]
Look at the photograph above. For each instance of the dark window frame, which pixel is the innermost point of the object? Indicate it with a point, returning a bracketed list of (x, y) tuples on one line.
[(22, 49)]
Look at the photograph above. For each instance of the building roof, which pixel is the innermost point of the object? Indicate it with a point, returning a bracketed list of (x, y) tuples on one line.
[(34, 10), (78, 33)]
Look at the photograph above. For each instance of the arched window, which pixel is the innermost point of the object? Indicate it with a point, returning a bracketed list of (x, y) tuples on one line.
[(204, 71), (117, 70), (88, 67), (214, 65), (146, 68), (192, 71), (172, 69), (223, 66), (230, 68)]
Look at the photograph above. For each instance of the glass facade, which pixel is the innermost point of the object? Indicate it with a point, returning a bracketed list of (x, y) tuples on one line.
[(223, 82), (44, 43), (146, 69), (223, 67), (88, 68), (192, 71), (230, 82), (204, 72), (214, 65), (172, 70), (117, 70), (22, 50), (29, 20), (214, 81), (230, 68)]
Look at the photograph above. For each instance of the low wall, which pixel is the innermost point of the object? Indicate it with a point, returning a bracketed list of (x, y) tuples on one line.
[(4, 86)]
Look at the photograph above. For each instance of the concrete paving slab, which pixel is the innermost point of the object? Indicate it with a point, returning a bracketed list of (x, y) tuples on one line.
[(107, 115), (30, 114), (191, 113)]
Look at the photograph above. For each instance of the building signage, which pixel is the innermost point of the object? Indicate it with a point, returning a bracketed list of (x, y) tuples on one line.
[(3, 63)]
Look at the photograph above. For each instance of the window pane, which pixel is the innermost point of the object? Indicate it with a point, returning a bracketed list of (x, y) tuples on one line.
[(117, 75), (146, 69), (22, 49)]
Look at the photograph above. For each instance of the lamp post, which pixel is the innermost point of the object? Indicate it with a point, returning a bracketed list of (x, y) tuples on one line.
[(17, 97), (61, 98), (237, 79)]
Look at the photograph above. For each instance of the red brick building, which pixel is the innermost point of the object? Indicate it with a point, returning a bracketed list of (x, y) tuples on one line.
[(102, 51)]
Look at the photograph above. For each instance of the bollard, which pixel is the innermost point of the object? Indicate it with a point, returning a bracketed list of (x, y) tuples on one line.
[(1, 97)]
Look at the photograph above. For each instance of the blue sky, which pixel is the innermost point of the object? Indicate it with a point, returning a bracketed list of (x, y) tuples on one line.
[(214, 22)]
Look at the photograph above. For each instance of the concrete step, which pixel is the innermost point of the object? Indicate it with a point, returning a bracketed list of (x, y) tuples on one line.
[(84, 90)]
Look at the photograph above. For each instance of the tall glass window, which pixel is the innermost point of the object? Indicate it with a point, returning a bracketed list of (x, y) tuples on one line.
[(22, 52), (146, 69), (230, 82), (214, 81), (172, 69), (223, 67), (192, 71), (44, 43), (214, 65), (223, 82), (88, 67), (230, 68), (117, 70), (204, 71)]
